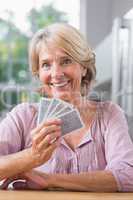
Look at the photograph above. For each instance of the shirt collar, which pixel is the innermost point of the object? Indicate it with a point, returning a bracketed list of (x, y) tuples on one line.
[(86, 139)]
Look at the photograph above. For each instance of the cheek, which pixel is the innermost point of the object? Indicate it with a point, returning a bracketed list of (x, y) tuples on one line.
[(74, 72), (44, 77), (77, 75)]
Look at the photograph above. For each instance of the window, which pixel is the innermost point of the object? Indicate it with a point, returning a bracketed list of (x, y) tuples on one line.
[(17, 25)]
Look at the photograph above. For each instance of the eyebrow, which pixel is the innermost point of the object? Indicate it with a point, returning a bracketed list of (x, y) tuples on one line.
[(61, 57), (45, 60)]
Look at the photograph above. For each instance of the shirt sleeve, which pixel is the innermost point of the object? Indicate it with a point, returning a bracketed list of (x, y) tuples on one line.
[(119, 149), (14, 129)]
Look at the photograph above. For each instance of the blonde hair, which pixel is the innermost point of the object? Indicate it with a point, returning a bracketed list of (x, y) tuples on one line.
[(69, 39)]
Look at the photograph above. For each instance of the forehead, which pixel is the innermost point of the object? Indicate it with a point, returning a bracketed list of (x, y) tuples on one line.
[(51, 53)]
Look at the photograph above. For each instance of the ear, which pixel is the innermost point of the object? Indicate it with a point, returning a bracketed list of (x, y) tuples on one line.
[(84, 71)]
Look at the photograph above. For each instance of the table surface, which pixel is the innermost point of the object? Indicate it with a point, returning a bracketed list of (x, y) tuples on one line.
[(60, 195)]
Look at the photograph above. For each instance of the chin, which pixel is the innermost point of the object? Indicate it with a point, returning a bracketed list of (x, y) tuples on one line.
[(65, 96)]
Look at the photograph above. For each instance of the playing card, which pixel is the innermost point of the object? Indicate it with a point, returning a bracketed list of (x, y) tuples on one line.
[(43, 108), (62, 111), (59, 107), (70, 121), (56, 108), (52, 107)]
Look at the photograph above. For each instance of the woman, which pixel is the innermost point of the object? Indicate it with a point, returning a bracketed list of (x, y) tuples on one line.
[(98, 157)]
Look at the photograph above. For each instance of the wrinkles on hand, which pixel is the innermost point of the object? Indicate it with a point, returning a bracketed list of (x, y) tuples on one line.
[(45, 139)]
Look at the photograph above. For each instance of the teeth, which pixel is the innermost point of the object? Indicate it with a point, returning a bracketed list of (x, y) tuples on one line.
[(59, 84)]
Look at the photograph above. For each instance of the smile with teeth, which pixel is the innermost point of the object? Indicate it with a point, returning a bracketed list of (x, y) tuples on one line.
[(61, 84)]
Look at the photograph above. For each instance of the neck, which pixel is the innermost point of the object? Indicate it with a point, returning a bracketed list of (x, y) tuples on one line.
[(86, 108), (78, 101)]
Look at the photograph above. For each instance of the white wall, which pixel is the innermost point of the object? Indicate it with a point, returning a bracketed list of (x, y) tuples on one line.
[(95, 20), (120, 7), (96, 24)]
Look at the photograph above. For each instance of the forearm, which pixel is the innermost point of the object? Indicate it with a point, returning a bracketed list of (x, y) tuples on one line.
[(16, 163), (97, 181)]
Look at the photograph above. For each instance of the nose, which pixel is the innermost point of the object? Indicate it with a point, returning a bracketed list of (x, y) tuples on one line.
[(56, 71)]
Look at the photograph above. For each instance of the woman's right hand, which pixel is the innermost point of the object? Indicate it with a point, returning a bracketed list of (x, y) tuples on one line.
[(45, 138)]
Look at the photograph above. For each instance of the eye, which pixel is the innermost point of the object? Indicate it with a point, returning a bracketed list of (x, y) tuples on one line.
[(66, 61), (46, 66)]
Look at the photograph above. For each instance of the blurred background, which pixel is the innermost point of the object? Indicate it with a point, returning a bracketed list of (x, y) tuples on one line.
[(108, 28)]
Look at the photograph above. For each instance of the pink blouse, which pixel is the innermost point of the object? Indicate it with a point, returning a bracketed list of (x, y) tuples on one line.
[(105, 146)]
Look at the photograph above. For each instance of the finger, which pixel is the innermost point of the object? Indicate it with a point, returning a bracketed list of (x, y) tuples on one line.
[(51, 148), (46, 123), (48, 140), (45, 131), (50, 128)]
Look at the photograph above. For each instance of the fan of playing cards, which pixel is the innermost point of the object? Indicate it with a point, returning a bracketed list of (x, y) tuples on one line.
[(56, 108)]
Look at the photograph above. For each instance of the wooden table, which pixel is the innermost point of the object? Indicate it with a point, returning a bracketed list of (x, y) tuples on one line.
[(50, 195)]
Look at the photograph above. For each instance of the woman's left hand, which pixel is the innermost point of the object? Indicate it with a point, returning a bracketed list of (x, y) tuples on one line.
[(30, 180)]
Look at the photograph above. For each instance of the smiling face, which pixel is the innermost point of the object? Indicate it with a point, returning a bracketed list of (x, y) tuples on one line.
[(59, 74)]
